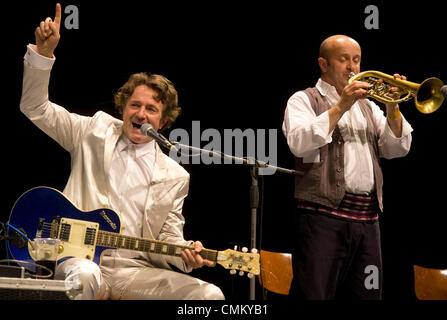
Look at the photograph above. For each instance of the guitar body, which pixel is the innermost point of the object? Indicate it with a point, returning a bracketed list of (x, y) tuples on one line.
[(44, 212), (48, 204)]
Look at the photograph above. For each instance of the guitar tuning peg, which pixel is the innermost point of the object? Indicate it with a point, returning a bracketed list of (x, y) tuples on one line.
[(250, 275), (254, 250), (241, 273), (232, 272), (244, 249)]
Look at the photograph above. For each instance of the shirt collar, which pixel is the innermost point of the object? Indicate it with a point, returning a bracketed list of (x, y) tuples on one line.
[(140, 149), (325, 88)]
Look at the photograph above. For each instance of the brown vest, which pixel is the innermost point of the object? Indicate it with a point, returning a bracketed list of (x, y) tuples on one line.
[(324, 182)]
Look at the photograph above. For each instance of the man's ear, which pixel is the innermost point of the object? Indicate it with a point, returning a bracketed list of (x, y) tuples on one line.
[(322, 62)]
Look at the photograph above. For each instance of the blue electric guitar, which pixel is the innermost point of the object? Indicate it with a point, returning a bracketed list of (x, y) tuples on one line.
[(45, 212)]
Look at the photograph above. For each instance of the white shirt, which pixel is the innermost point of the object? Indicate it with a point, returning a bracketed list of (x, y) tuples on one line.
[(130, 177), (306, 133)]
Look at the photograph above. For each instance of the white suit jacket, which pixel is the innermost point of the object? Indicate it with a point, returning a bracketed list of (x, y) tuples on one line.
[(91, 142)]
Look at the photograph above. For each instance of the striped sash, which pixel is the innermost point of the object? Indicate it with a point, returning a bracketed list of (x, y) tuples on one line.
[(353, 207)]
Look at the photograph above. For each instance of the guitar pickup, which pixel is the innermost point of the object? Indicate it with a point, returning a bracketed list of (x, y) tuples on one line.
[(78, 237), (90, 234), (64, 235)]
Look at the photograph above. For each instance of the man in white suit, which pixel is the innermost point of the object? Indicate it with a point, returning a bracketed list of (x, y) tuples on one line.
[(115, 166)]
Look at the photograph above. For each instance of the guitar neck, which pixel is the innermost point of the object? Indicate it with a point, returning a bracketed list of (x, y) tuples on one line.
[(119, 241)]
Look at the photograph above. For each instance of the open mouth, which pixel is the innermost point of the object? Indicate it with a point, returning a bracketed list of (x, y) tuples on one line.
[(136, 125)]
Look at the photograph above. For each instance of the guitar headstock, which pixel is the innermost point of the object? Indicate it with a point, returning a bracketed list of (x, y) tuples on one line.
[(242, 261)]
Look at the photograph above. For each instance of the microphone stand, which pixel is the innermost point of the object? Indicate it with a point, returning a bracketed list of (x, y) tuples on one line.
[(254, 189), (250, 161)]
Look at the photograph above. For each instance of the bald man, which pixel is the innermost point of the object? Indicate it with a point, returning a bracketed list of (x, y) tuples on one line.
[(337, 137)]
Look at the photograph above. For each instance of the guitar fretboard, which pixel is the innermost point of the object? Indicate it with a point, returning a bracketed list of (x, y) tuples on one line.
[(119, 241)]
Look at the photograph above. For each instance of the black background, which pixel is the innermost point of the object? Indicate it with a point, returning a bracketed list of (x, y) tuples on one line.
[(235, 64)]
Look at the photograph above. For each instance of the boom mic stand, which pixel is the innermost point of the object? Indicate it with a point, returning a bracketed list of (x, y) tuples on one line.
[(254, 189)]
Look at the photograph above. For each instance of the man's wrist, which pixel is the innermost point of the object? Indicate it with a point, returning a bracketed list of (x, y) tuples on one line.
[(393, 115), (46, 54)]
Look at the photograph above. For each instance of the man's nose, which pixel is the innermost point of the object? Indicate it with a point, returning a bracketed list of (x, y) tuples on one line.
[(349, 65), (141, 113), (353, 66)]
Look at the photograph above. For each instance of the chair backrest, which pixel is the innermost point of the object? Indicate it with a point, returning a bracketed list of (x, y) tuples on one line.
[(430, 284), (276, 271)]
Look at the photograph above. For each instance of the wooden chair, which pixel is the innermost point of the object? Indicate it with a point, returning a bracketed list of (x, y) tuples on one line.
[(276, 271), (430, 284)]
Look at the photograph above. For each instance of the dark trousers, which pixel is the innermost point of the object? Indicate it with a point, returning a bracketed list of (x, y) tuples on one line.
[(335, 258)]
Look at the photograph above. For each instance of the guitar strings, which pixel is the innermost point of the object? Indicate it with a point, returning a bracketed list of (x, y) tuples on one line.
[(112, 239)]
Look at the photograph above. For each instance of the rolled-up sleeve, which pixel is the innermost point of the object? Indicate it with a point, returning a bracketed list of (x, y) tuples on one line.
[(391, 146)]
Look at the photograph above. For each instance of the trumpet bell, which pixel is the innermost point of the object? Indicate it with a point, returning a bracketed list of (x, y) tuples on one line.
[(429, 97)]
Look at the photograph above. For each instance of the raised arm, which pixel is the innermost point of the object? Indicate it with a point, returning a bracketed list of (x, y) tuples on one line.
[(61, 125)]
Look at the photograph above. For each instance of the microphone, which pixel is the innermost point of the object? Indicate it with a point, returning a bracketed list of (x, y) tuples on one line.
[(148, 131), (444, 91)]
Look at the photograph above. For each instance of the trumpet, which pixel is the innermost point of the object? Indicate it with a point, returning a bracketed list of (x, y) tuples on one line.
[(427, 95)]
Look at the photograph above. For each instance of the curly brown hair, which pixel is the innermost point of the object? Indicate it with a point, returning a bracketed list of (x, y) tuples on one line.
[(167, 94)]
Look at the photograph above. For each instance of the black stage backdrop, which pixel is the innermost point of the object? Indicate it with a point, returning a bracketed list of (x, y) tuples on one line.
[(235, 64)]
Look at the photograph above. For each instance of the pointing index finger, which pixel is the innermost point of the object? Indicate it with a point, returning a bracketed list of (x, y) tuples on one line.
[(57, 17)]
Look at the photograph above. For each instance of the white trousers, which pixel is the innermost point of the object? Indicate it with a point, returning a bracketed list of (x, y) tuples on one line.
[(132, 280)]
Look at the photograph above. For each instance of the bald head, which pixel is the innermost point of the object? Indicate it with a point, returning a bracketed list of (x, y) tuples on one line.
[(333, 43), (339, 56)]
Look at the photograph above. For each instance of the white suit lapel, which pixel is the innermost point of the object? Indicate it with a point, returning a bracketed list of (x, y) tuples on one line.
[(155, 216)]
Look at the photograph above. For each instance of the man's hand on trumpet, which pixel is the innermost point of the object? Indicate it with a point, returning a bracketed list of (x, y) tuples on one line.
[(396, 93), (394, 117)]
